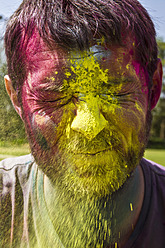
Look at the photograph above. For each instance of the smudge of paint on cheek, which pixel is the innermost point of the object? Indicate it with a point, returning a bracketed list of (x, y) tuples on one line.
[(138, 107), (143, 79), (131, 52), (40, 139), (45, 131), (136, 67), (141, 73), (49, 129)]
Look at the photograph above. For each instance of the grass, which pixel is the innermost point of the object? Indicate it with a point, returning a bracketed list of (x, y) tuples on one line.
[(157, 156), (9, 150)]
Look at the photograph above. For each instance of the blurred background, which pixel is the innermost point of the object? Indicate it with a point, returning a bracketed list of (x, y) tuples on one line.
[(12, 134)]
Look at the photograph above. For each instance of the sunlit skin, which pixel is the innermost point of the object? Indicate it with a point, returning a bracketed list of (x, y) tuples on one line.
[(95, 131), (86, 118)]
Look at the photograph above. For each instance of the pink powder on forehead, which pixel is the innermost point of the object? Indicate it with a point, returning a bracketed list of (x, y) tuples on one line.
[(38, 55), (33, 44)]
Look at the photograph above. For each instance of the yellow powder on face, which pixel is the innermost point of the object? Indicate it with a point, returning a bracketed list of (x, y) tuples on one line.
[(88, 74), (131, 206), (94, 98), (89, 121), (138, 107), (89, 84)]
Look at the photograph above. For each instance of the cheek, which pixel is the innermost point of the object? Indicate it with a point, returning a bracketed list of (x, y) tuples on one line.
[(47, 129), (128, 121), (43, 128)]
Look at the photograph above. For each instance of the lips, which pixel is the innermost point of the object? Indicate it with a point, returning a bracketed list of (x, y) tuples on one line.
[(94, 148), (92, 152), (93, 165)]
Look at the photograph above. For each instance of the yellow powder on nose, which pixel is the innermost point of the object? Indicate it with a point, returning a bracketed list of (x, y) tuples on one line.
[(89, 120), (88, 85)]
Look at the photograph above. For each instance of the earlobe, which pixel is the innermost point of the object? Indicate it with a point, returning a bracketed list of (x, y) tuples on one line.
[(13, 95), (157, 84)]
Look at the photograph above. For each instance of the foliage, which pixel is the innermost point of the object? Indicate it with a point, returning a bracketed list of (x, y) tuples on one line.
[(158, 125), (11, 126)]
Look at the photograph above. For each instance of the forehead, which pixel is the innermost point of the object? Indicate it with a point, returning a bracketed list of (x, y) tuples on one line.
[(119, 61)]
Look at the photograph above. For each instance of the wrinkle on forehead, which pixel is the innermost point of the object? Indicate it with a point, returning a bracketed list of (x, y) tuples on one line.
[(38, 55), (115, 61)]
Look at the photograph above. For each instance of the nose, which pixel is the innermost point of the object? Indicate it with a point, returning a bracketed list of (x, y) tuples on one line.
[(88, 121)]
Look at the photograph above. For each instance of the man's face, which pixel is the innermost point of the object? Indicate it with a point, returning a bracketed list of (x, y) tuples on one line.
[(85, 115)]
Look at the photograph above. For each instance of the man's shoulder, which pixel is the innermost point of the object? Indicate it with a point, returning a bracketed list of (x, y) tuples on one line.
[(153, 208), (13, 162), (13, 168), (153, 167), (154, 176)]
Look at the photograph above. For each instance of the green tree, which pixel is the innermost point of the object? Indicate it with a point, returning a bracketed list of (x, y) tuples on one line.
[(158, 125), (11, 125)]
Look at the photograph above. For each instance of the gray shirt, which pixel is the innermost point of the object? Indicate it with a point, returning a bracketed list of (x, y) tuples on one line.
[(25, 219)]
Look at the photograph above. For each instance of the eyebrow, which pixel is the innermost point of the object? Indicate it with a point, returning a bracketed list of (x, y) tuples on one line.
[(122, 80), (48, 84), (55, 82)]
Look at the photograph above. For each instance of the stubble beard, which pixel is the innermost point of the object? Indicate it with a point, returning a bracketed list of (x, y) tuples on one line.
[(82, 198), (79, 169)]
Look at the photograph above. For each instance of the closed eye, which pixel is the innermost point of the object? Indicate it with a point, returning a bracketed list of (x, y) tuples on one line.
[(123, 94), (54, 100)]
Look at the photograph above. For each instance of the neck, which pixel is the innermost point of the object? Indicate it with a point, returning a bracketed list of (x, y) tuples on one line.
[(129, 200), (87, 222)]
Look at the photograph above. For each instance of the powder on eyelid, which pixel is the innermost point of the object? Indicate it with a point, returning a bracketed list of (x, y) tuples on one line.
[(88, 82), (89, 76)]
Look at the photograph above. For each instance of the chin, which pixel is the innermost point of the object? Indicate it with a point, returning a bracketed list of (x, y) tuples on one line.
[(95, 176)]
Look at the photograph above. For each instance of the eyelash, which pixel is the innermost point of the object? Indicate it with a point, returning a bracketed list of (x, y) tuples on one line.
[(56, 100), (62, 101), (116, 95), (57, 103)]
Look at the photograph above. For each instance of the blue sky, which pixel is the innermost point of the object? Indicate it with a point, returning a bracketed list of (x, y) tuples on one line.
[(156, 8)]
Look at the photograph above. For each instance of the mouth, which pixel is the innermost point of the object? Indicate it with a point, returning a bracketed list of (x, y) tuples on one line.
[(92, 153)]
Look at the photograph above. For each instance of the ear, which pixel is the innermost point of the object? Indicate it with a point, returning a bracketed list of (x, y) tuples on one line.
[(13, 95), (157, 84)]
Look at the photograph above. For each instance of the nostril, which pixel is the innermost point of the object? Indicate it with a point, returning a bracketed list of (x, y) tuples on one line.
[(75, 99)]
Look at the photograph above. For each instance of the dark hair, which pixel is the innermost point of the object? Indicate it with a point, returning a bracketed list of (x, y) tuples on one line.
[(73, 24)]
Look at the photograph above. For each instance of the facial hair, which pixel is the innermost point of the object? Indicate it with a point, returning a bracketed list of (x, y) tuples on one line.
[(99, 167), (86, 206)]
